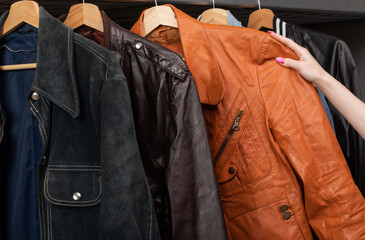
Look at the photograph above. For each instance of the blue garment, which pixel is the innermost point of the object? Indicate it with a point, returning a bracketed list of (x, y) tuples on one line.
[(231, 20), (326, 109), (21, 146)]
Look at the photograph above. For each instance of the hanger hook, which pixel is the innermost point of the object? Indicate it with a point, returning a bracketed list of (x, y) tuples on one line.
[(156, 3), (259, 2), (213, 4)]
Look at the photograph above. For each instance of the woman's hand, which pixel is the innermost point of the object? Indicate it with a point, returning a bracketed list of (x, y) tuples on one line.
[(352, 108), (306, 66)]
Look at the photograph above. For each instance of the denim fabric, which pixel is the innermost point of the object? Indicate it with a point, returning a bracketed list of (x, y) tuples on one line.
[(21, 147), (232, 21), (90, 180)]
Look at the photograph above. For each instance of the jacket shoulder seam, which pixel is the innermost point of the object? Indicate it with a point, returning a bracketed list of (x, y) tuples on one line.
[(182, 78)]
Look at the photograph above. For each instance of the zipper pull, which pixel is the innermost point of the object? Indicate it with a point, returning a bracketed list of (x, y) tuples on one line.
[(236, 123)]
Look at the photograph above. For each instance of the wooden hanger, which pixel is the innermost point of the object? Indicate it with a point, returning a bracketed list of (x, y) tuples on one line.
[(214, 16), (84, 14), (20, 12), (156, 16), (262, 18)]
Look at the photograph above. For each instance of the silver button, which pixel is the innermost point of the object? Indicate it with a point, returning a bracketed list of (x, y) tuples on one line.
[(76, 196), (138, 45), (35, 96)]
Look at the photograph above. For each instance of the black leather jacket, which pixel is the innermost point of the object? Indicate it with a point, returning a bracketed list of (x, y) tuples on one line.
[(171, 135), (335, 57)]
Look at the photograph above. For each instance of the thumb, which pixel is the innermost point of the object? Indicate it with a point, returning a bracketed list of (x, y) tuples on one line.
[(288, 62)]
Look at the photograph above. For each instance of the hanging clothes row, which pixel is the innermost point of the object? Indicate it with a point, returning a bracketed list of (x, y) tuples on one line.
[(177, 129)]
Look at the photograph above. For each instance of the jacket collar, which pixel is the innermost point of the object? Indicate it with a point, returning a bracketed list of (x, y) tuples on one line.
[(54, 76), (203, 66)]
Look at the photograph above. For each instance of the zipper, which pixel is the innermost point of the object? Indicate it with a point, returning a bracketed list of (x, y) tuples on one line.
[(234, 128), (2, 125)]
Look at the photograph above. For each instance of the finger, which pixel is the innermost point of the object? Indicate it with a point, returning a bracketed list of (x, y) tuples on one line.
[(288, 62), (299, 51)]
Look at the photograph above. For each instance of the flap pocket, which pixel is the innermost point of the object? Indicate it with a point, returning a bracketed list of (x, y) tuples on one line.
[(73, 186)]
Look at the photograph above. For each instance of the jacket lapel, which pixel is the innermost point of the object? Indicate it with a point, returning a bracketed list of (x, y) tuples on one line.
[(55, 76)]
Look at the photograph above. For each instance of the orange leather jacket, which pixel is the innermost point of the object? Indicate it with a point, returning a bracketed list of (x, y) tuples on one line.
[(278, 164)]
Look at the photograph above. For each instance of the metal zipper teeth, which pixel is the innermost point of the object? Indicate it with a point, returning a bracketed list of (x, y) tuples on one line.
[(2, 125), (235, 127)]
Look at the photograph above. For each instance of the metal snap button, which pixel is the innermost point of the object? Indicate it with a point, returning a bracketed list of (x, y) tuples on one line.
[(286, 215), (44, 160), (231, 170), (284, 208), (76, 196), (138, 45), (35, 96)]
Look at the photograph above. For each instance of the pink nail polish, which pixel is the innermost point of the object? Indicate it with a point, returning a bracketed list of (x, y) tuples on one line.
[(280, 60), (270, 31)]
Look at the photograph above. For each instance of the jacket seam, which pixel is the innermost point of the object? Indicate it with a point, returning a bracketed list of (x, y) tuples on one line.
[(267, 204), (55, 100), (295, 214), (70, 203), (262, 52), (182, 78), (214, 57), (92, 52), (145, 43), (106, 76), (83, 166)]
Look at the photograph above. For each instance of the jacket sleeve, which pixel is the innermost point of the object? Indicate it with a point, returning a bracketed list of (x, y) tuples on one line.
[(333, 204), (196, 211), (335, 57), (126, 197)]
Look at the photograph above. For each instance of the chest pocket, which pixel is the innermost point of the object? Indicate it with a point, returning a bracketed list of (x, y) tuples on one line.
[(241, 157)]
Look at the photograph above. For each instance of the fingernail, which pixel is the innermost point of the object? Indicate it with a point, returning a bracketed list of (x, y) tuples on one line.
[(270, 31), (280, 60)]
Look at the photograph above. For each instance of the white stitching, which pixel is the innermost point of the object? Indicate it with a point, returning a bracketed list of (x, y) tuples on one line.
[(73, 169), (55, 100), (84, 166), (55, 201), (91, 51), (40, 121), (50, 220), (44, 102)]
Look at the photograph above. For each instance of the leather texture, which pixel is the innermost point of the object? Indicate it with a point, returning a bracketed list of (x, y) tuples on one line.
[(335, 57), (171, 136), (282, 151)]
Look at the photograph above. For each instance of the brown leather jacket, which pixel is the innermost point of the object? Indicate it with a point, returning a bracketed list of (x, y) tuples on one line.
[(278, 164)]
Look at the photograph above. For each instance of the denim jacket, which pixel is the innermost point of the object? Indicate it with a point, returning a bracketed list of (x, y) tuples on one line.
[(90, 180)]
